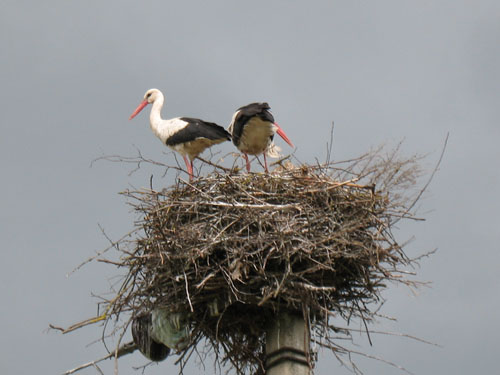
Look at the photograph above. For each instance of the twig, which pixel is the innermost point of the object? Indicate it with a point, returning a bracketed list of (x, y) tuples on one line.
[(187, 292), (123, 350), (98, 254), (229, 170), (419, 195)]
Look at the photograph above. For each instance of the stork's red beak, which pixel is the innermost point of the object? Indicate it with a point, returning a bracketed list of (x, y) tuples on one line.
[(282, 134), (138, 109)]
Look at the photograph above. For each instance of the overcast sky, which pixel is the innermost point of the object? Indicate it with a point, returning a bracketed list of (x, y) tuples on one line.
[(73, 71)]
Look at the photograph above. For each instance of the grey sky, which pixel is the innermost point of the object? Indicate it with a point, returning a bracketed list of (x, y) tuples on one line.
[(72, 72)]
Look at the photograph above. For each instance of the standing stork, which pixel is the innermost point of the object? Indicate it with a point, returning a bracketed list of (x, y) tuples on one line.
[(252, 129), (188, 136)]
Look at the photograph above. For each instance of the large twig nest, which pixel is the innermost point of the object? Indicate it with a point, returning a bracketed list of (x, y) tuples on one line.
[(227, 252), (219, 257)]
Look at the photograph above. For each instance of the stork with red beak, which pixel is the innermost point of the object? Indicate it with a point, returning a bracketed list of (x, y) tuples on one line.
[(188, 136), (252, 129)]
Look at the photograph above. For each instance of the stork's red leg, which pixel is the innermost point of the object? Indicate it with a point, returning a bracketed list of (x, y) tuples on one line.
[(189, 165), (247, 161), (265, 163)]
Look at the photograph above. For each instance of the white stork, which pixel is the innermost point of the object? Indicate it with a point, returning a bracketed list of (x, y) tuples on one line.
[(188, 136), (252, 129)]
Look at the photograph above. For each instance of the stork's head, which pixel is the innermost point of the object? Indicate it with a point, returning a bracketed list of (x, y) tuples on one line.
[(149, 97)]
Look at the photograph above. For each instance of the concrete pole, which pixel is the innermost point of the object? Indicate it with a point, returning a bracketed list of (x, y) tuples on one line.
[(287, 346)]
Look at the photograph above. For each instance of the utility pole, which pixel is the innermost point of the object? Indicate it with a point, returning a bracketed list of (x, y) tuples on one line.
[(287, 346)]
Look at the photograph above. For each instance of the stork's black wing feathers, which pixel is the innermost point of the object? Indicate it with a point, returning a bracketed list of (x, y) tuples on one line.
[(257, 109), (195, 129)]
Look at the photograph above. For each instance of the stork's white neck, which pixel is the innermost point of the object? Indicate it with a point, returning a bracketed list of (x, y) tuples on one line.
[(155, 115)]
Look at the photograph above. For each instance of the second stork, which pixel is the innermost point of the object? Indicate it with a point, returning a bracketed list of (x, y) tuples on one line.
[(252, 129)]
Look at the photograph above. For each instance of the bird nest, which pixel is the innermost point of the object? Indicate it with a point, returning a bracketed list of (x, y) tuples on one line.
[(229, 251)]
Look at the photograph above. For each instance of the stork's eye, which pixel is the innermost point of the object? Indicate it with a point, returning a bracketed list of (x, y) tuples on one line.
[(148, 95)]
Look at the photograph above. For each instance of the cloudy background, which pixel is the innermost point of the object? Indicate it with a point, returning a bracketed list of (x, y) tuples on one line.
[(72, 72)]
